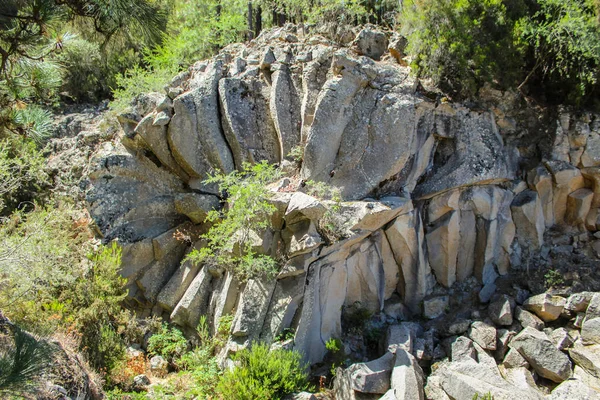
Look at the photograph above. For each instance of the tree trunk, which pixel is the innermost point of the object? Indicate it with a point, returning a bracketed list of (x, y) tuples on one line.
[(258, 27), (250, 32)]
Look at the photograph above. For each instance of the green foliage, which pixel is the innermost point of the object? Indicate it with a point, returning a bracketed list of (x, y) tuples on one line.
[(264, 374), (230, 240), (331, 225), (334, 345), (461, 44), (23, 359), (553, 278), (564, 38), (68, 285), (356, 316), (297, 154), (167, 342), (22, 174), (284, 335), (487, 396)]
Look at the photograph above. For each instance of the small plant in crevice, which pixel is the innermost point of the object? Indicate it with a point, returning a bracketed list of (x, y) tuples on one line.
[(284, 335), (553, 278), (356, 316), (336, 354), (297, 154), (331, 225)]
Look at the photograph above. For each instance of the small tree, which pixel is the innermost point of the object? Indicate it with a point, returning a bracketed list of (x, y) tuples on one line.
[(230, 241), (564, 41)]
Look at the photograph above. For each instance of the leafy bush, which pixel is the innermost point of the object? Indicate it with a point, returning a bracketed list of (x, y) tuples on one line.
[(22, 173), (461, 44), (230, 239), (168, 343), (553, 278), (264, 374), (564, 40)]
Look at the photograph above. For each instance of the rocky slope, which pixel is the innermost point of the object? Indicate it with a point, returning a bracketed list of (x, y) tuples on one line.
[(435, 194)]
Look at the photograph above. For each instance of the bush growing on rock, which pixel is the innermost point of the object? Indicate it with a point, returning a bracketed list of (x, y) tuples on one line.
[(167, 342), (264, 374), (231, 241)]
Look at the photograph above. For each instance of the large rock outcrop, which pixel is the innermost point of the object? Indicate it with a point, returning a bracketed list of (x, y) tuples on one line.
[(432, 194)]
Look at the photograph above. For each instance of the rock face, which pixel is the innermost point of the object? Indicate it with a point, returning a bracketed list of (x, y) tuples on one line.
[(430, 195)]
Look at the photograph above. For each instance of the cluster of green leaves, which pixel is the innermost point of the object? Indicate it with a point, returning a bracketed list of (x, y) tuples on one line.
[(462, 44), (22, 173), (553, 278), (563, 38), (69, 286), (168, 342), (231, 240), (264, 374)]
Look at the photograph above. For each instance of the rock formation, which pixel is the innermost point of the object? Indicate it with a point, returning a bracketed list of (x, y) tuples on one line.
[(433, 194)]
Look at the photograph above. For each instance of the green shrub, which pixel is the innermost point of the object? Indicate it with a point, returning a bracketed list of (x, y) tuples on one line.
[(230, 238), (563, 37), (167, 342), (553, 278), (264, 374), (22, 175), (461, 44)]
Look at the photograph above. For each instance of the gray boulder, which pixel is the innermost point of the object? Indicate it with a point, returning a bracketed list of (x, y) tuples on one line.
[(542, 354)]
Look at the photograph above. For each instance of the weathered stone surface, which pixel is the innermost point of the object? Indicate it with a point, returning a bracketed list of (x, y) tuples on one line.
[(284, 303), (514, 359), (443, 245), (155, 139), (406, 239), (587, 357), (194, 302), (590, 331), (520, 377), (500, 310), (540, 180), (435, 306), (223, 298), (195, 206), (303, 206), (528, 215), (578, 302), (475, 153), (545, 306), (542, 355), (402, 335), (371, 42), (246, 121), (407, 379), (285, 109), (528, 319), (464, 380), (135, 258), (593, 308), (373, 376), (573, 389), (337, 151), (578, 207), (483, 334), (195, 136), (561, 338), (566, 180), (592, 178), (373, 215), (181, 279), (304, 238), (342, 387), (252, 309), (462, 349), (156, 276)]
